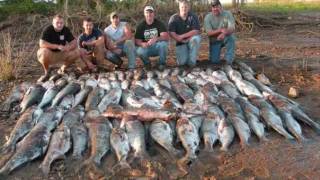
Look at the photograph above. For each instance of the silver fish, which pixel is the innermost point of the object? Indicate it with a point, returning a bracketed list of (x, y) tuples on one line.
[(112, 97), (292, 125), (71, 88), (120, 143), (67, 101), (162, 133), (23, 126), (82, 96), (94, 98), (189, 137), (60, 144), (16, 95), (32, 96), (229, 89), (252, 115), (226, 133), (269, 116), (35, 143), (99, 132), (52, 92), (136, 135)]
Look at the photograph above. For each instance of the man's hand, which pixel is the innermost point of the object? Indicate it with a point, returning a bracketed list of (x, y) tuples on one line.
[(224, 31), (152, 41), (221, 37), (145, 44)]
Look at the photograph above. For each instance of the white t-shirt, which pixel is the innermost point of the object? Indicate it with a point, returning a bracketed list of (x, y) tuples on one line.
[(115, 33)]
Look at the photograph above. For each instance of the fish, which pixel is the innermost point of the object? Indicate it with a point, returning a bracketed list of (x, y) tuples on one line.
[(210, 92), (112, 97), (104, 83), (55, 77), (229, 89), (209, 131), (189, 137), (144, 114), (52, 92), (225, 133), (80, 137), (270, 116), (184, 93), (23, 126), (16, 95), (244, 67), (71, 88), (99, 129), (60, 144), (242, 129), (292, 125), (234, 75), (286, 105), (162, 133), (32, 96), (263, 78), (67, 101), (252, 115), (246, 88), (35, 143), (81, 96), (136, 134), (119, 141), (94, 98)]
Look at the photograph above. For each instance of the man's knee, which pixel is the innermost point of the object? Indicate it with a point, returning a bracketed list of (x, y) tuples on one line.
[(195, 40), (129, 44), (163, 45), (43, 54), (142, 52)]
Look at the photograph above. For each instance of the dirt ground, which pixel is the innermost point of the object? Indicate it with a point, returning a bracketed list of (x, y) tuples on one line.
[(289, 56)]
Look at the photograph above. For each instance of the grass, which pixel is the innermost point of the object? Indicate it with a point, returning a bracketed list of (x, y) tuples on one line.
[(10, 61), (283, 7)]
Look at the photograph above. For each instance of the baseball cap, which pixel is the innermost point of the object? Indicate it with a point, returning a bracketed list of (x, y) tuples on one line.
[(114, 13), (148, 8), (215, 3)]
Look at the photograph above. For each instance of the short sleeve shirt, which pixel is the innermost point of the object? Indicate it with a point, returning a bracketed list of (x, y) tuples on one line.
[(115, 33), (96, 33), (146, 32), (180, 26), (54, 37), (224, 20)]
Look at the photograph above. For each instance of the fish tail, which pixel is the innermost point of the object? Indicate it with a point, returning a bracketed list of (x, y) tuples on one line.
[(45, 168), (119, 166)]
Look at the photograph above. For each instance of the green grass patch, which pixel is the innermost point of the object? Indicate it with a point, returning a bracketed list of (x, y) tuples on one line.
[(283, 7)]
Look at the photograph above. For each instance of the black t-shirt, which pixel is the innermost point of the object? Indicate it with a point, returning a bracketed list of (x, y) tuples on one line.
[(146, 32), (96, 33), (179, 26), (61, 38)]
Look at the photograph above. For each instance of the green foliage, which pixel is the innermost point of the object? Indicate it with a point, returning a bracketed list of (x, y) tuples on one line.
[(283, 7), (13, 7)]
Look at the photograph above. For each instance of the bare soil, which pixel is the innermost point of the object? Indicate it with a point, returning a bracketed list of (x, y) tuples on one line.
[(288, 56)]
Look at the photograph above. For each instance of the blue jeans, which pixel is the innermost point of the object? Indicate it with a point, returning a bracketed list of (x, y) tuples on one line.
[(128, 49), (186, 54), (215, 50), (158, 49)]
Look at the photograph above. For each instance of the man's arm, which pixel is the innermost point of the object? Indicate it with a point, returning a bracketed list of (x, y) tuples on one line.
[(139, 42), (126, 35), (189, 34), (45, 44), (96, 42)]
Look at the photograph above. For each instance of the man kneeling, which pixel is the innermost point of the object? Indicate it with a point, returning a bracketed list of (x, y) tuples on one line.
[(58, 45)]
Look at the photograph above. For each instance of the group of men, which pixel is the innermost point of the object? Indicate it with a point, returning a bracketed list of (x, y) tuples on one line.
[(105, 49)]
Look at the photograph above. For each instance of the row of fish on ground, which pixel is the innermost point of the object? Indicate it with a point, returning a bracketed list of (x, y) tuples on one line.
[(122, 112)]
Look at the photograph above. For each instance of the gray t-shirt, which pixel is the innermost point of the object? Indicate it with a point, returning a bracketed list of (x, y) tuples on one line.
[(115, 33), (224, 20)]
